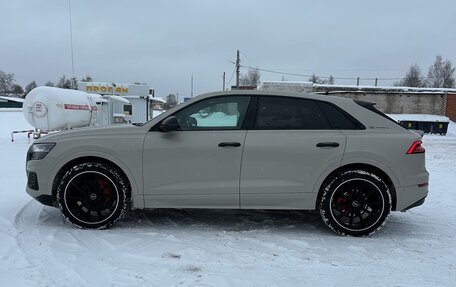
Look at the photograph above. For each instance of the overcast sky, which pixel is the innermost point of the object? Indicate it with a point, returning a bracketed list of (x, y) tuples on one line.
[(162, 43)]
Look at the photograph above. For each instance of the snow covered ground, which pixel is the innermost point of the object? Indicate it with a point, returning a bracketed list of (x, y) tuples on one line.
[(223, 248)]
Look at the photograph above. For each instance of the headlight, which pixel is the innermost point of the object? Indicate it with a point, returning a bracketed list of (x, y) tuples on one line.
[(39, 151)]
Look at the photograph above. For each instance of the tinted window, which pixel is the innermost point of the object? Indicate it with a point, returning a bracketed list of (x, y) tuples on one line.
[(370, 107), (336, 117), (128, 110), (214, 113), (289, 114)]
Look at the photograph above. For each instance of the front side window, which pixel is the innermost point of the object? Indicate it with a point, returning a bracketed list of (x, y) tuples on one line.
[(283, 113), (226, 113)]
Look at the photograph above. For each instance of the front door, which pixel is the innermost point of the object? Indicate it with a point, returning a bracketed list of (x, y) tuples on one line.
[(199, 164)]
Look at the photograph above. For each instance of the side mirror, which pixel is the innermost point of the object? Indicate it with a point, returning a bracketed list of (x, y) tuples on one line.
[(169, 124)]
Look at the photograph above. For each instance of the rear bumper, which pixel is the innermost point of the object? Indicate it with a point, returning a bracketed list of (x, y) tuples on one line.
[(418, 203), (412, 196)]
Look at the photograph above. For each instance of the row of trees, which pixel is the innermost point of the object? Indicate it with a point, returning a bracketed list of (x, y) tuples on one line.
[(9, 87), (253, 76), (316, 80), (440, 75)]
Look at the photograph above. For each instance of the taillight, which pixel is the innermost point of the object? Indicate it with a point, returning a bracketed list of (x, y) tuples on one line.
[(416, 147)]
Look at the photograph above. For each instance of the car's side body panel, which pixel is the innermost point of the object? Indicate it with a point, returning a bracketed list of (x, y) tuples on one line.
[(190, 169), (280, 167)]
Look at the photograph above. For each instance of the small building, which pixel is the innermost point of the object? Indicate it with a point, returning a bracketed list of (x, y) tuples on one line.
[(157, 103), (10, 102), (129, 101)]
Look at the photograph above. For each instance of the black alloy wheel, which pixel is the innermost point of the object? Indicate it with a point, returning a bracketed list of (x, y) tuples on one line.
[(93, 195), (355, 203)]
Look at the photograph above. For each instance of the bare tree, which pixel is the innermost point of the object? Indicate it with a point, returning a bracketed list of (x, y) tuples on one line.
[(30, 87), (74, 83), (441, 74), (449, 80), (17, 90), (413, 78), (49, 84), (88, 78), (171, 101), (316, 80), (6, 82), (331, 80), (64, 83), (252, 78)]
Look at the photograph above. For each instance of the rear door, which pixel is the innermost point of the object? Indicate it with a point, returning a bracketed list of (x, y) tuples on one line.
[(291, 145)]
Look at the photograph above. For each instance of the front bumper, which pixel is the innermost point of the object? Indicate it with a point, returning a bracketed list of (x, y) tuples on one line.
[(38, 184)]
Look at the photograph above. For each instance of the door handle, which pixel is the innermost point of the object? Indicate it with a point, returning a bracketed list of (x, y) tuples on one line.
[(328, 144), (225, 144)]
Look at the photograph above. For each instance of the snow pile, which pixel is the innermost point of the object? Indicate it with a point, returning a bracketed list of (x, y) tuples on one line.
[(451, 129), (13, 99), (221, 247), (10, 109)]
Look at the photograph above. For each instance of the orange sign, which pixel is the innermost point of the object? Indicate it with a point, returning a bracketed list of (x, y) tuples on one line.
[(106, 89)]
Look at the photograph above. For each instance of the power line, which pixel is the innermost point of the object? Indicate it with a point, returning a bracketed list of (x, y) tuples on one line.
[(325, 77), (232, 75)]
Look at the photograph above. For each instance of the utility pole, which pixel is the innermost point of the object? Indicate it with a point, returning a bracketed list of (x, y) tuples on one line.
[(192, 87), (238, 66), (71, 46), (223, 88)]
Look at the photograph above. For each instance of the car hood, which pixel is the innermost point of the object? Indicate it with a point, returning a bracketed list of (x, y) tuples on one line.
[(92, 131)]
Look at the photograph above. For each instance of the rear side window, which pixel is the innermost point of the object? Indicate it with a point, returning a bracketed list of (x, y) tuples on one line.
[(371, 107), (282, 113), (337, 118)]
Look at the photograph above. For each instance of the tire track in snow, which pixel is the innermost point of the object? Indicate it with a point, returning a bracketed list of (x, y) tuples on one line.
[(36, 240)]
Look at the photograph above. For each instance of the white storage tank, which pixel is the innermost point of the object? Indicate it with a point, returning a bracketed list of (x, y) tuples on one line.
[(50, 108)]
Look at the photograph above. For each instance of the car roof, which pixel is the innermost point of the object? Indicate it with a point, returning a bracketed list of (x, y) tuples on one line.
[(275, 93)]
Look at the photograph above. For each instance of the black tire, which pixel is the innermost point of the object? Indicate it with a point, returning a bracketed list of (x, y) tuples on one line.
[(93, 195), (355, 203)]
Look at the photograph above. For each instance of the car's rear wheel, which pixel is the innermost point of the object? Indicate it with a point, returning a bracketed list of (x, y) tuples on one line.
[(355, 202), (93, 195)]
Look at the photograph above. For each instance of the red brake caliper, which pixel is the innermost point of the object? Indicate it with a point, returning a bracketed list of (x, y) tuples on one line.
[(341, 204), (106, 190)]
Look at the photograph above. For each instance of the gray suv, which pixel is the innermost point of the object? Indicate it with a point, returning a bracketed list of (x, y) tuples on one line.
[(237, 150)]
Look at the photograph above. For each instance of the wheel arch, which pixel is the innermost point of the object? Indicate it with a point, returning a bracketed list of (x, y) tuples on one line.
[(82, 159), (360, 166)]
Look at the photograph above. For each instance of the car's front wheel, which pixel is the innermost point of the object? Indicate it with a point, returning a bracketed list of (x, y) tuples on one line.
[(355, 202), (93, 195)]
